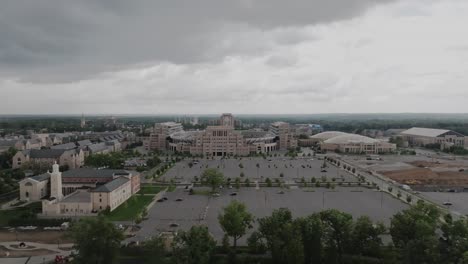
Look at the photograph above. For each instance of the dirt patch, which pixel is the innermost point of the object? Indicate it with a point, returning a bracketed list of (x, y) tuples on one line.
[(435, 164), (423, 176), (25, 253), (47, 237)]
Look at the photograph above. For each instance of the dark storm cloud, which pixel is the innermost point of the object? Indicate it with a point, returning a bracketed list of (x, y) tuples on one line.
[(51, 40)]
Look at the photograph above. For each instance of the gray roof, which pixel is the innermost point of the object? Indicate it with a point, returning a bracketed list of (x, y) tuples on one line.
[(86, 142), (93, 173), (80, 196), (7, 143), (45, 153), (41, 177), (425, 132), (97, 147), (112, 185), (64, 146)]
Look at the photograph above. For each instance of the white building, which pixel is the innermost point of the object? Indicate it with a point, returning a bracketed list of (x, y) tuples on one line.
[(418, 136)]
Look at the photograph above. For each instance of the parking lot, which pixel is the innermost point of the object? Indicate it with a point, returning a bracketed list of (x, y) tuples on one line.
[(172, 215), (273, 168)]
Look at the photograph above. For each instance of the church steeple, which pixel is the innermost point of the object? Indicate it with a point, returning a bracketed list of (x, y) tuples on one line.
[(56, 182), (83, 121)]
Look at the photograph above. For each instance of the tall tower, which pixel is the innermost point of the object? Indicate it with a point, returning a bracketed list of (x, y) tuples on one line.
[(56, 182), (83, 121), (226, 119)]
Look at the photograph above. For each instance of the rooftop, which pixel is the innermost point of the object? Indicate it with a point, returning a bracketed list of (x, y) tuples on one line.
[(80, 196), (41, 177), (426, 132), (350, 138), (93, 173), (64, 146), (112, 185), (44, 153)]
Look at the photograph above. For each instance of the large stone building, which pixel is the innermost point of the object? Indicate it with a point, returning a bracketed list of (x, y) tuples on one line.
[(417, 136), (80, 192), (285, 135), (73, 158), (158, 137), (221, 139)]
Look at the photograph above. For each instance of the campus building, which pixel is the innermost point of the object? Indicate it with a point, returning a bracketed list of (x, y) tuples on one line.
[(285, 135), (79, 192), (73, 158), (158, 137), (418, 136), (351, 143), (221, 139)]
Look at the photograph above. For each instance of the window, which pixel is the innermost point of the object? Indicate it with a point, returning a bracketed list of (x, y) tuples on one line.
[(100, 200)]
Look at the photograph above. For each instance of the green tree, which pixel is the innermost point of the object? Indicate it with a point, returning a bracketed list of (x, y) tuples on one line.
[(311, 231), (282, 237), (256, 244), (237, 183), (212, 177), (96, 241), (268, 182), (366, 237), (154, 250), (193, 246), (337, 226), (454, 244), (414, 233), (235, 220)]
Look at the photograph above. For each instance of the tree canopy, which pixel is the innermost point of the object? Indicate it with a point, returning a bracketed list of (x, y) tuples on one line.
[(97, 241)]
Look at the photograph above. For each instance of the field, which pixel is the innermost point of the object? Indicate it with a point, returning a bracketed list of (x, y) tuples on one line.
[(131, 208)]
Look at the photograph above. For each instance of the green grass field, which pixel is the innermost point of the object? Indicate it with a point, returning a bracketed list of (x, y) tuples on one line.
[(131, 208), (150, 189)]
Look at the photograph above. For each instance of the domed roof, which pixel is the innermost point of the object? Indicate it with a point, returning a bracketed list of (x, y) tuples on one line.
[(350, 138), (328, 134)]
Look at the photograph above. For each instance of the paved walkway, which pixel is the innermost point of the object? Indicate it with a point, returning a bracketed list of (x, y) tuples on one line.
[(35, 259)]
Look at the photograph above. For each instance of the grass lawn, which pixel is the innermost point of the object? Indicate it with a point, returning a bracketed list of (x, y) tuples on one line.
[(131, 208), (7, 215), (150, 189)]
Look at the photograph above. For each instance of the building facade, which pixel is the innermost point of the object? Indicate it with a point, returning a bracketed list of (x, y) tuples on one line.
[(79, 192), (417, 136)]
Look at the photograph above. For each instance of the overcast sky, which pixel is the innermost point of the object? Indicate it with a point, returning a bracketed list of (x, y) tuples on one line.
[(239, 56)]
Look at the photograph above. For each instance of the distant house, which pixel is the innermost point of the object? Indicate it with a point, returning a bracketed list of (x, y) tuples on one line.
[(71, 158), (418, 136)]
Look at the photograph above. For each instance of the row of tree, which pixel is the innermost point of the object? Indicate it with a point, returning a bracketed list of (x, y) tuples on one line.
[(417, 235)]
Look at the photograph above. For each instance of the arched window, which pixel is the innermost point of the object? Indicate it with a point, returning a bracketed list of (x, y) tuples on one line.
[(28, 184)]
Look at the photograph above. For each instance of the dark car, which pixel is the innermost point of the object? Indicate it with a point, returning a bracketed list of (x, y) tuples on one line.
[(179, 200), (233, 194)]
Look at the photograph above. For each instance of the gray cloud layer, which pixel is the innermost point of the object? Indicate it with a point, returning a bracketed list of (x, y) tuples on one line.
[(51, 41)]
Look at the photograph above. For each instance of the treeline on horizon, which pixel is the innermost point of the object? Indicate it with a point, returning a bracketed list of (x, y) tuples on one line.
[(352, 123)]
